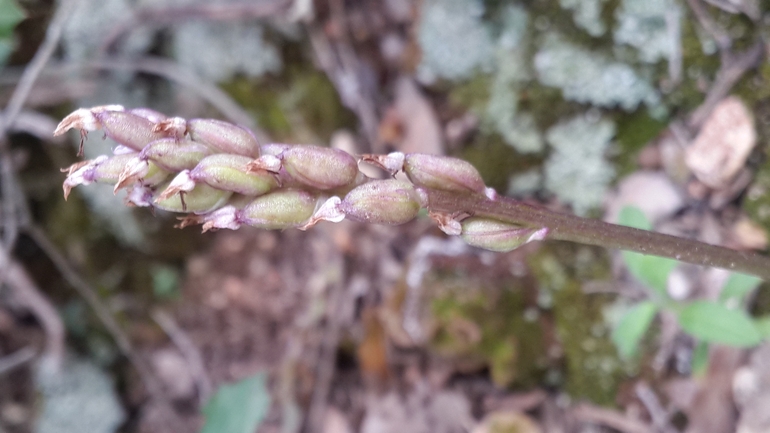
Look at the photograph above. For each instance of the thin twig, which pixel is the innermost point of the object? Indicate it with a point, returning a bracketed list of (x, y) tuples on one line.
[(102, 312), (16, 359), (27, 293), (596, 232), (37, 64), (191, 353), (16, 102), (730, 72), (172, 71), (610, 418), (165, 16)]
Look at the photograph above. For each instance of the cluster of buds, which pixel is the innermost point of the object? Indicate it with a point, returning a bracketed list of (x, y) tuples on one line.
[(221, 177)]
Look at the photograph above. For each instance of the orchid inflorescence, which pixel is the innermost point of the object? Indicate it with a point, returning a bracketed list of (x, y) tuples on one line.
[(221, 177)]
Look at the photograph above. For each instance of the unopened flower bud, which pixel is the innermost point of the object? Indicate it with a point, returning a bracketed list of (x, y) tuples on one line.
[(84, 173), (319, 167), (279, 210), (129, 129), (226, 172), (200, 199), (84, 119), (498, 236), (149, 114), (388, 201), (444, 173), (174, 155), (223, 137)]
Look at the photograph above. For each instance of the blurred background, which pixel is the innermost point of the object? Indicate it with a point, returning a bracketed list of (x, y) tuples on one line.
[(111, 320)]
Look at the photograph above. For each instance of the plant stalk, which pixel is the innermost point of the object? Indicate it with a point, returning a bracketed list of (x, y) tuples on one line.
[(596, 232)]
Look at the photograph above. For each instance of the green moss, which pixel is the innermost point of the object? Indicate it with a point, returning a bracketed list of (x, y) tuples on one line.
[(301, 105), (634, 131), (481, 326), (592, 369), (496, 160)]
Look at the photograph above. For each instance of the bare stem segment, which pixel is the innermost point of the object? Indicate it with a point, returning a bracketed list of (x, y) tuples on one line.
[(596, 232)]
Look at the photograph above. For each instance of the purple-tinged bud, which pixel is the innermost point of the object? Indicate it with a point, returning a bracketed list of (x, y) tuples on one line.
[(444, 173), (229, 172), (279, 210), (498, 236), (388, 201), (129, 129), (173, 155), (82, 173), (392, 162), (319, 167), (223, 137), (201, 199), (149, 114), (84, 119)]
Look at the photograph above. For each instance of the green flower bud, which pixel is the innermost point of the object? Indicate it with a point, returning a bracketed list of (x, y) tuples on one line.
[(388, 201), (279, 210), (174, 155), (498, 236), (444, 173), (226, 172), (200, 199), (319, 167), (224, 137)]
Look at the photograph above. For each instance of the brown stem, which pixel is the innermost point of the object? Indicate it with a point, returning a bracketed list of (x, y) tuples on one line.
[(596, 232)]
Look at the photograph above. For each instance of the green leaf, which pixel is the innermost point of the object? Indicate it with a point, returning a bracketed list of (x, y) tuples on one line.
[(713, 322), (10, 15), (763, 325), (632, 327), (652, 271), (632, 216), (738, 286), (239, 407)]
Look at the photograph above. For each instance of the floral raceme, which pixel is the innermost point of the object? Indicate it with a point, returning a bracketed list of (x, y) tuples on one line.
[(218, 175)]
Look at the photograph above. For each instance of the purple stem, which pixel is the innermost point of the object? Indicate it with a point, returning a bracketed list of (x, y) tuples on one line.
[(596, 232)]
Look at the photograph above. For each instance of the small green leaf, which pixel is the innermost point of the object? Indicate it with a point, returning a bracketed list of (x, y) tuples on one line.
[(763, 325), (239, 407), (632, 216), (713, 322), (652, 271), (738, 286), (10, 15), (632, 327)]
